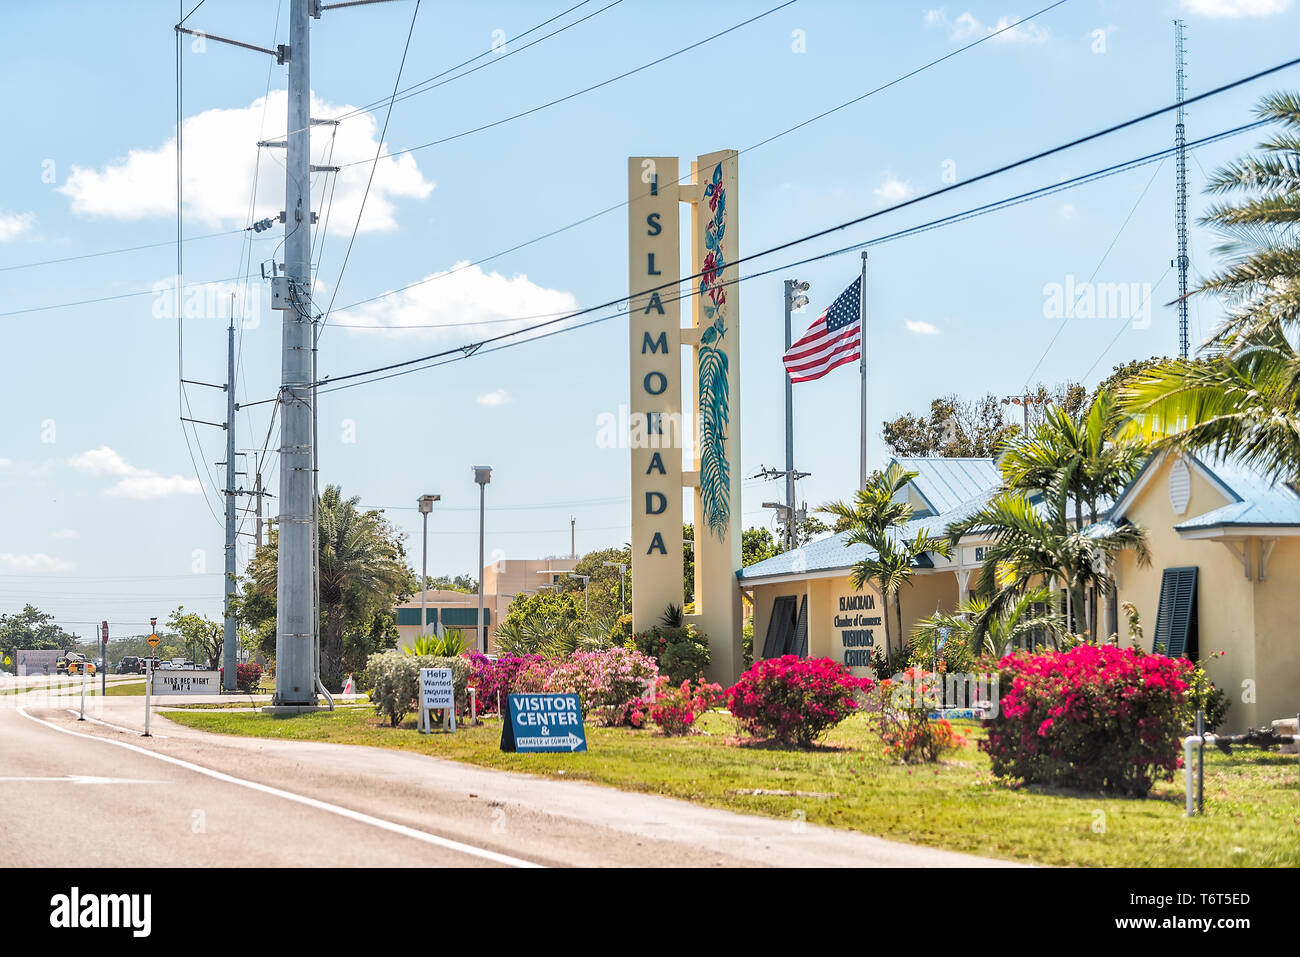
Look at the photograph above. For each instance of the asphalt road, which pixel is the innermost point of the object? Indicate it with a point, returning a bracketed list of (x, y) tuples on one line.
[(97, 793)]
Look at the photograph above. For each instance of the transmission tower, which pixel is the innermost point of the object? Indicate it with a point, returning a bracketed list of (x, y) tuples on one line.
[(1180, 142)]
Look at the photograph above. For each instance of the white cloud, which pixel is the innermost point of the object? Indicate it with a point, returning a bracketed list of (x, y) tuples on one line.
[(495, 397), (1067, 211), (220, 160), (35, 470), (967, 27), (134, 482), (1233, 9), (462, 303), (893, 190), (919, 327), (39, 562), (65, 533), (13, 225)]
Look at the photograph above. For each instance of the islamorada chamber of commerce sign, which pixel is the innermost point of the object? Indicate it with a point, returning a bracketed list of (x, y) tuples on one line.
[(856, 621), (658, 395)]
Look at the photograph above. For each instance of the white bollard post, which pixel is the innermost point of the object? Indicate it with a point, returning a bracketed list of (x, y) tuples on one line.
[(84, 669), (1187, 769), (473, 706)]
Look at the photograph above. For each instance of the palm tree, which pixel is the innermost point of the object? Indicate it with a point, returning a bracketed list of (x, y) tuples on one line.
[(1262, 279), (1018, 624), (876, 518), (360, 567), (1032, 547), (1243, 400)]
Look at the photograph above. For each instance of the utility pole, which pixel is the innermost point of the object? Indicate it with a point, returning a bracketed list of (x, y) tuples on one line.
[(230, 639), (295, 631), (258, 515), (794, 299), (1180, 141), (862, 369), (573, 536), (789, 516)]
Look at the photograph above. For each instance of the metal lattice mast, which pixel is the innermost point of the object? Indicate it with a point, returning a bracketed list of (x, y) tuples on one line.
[(1180, 142)]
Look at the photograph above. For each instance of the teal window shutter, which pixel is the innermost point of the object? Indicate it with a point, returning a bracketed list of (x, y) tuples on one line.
[(780, 626), (408, 616), (799, 640), (1176, 623)]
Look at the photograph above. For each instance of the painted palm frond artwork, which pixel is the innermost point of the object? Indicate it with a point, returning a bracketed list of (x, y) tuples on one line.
[(714, 369)]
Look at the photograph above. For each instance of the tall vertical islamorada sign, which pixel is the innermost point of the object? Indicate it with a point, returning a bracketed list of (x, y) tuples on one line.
[(657, 426)]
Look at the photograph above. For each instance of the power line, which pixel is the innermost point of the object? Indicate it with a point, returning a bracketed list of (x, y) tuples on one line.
[(123, 249), (477, 347), (589, 89), (374, 165), (424, 86), (619, 205)]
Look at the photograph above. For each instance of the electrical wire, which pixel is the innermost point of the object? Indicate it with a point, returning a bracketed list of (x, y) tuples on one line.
[(123, 249), (475, 348), (588, 89), (374, 165)]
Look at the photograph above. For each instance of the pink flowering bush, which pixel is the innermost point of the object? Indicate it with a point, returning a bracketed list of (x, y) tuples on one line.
[(676, 707), (1097, 717), (903, 718), (493, 680), (612, 685), (794, 700)]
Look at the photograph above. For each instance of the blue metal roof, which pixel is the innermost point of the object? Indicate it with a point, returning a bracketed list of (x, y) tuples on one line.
[(1259, 500), (833, 554), (947, 483)]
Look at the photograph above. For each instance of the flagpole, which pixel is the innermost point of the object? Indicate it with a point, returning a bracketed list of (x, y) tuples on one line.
[(862, 366)]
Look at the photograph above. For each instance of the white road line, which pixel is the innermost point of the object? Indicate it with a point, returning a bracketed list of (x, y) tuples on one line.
[(118, 727), (348, 813), (81, 779)]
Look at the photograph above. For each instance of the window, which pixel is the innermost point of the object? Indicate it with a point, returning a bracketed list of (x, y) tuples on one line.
[(781, 626), (1176, 625), (787, 630)]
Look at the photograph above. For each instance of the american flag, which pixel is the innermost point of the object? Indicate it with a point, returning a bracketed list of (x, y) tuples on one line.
[(834, 339)]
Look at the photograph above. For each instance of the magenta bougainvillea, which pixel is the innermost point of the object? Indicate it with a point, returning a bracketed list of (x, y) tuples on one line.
[(1097, 717), (794, 700), (676, 707)]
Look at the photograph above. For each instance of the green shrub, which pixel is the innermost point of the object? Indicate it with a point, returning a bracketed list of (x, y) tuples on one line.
[(1202, 695), (681, 651), (393, 681)]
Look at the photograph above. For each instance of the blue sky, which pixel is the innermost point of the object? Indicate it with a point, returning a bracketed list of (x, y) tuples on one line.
[(103, 514)]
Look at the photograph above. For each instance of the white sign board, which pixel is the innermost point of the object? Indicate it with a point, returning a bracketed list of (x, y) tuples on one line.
[(186, 682), (41, 662), (436, 688)]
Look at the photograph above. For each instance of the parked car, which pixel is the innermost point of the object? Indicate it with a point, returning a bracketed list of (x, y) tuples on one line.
[(74, 664), (130, 665)]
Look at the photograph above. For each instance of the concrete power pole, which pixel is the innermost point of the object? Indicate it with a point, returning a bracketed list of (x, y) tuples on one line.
[(1180, 213), (294, 626), (230, 641)]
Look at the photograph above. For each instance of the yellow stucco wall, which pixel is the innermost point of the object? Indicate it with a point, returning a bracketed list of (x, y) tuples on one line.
[(1277, 621), (1252, 622)]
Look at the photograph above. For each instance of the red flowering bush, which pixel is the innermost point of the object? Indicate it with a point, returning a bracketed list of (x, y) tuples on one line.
[(612, 685), (495, 679), (906, 728), (248, 677), (675, 708), (794, 700), (1097, 717)]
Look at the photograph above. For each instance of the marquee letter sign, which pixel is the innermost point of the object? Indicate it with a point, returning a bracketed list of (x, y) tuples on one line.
[(656, 422)]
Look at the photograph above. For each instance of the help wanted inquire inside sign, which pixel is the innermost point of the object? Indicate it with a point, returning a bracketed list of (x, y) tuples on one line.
[(543, 722)]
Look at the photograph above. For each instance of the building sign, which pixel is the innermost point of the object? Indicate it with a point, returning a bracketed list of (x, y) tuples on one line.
[(186, 682), (655, 421), (37, 662), (436, 688), (544, 722), (857, 621)]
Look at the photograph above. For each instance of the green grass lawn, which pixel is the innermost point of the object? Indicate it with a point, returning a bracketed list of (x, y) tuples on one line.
[(1252, 799)]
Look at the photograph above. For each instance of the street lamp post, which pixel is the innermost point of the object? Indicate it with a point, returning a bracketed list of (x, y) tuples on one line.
[(586, 580), (426, 506), (482, 475), (622, 573)]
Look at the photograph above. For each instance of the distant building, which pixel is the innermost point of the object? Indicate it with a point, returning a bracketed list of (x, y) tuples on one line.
[(502, 581), (1225, 560)]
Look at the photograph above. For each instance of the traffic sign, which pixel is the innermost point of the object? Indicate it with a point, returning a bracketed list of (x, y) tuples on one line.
[(153, 640), (543, 722)]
